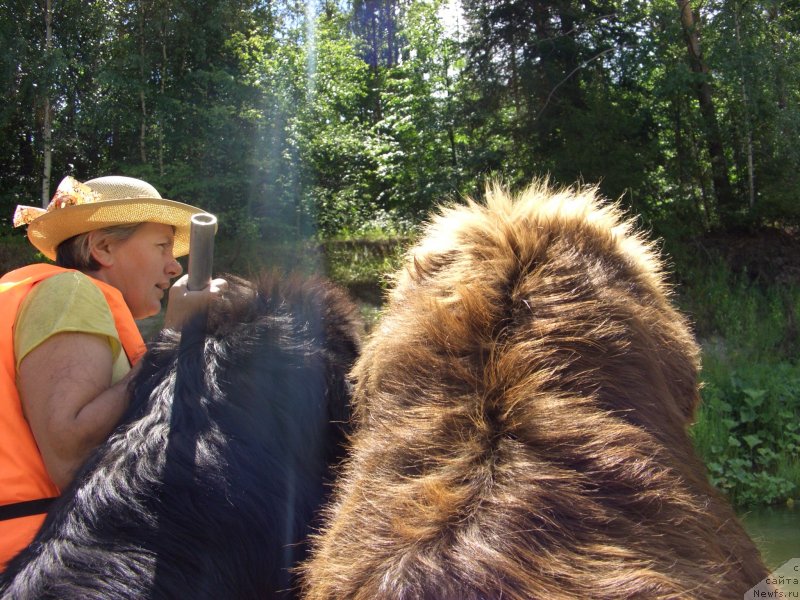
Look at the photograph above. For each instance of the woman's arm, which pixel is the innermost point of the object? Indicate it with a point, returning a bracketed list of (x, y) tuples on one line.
[(68, 400)]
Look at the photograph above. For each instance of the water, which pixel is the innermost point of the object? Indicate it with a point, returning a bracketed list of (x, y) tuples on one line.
[(777, 533)]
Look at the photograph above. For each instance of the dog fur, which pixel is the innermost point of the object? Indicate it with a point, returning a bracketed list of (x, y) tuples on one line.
[(209, 486), (521, 422)]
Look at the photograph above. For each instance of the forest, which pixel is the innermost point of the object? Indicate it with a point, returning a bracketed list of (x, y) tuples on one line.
[(343, 123)]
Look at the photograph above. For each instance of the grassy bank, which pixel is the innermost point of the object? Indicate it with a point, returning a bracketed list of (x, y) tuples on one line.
[(748, 427)]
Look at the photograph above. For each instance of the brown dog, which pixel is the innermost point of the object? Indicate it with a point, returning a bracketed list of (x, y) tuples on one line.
[(522, 412)]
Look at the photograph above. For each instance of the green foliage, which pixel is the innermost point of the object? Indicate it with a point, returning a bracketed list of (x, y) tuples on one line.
[(310, 118), (363, 262), (750, 322), (748, 431), (752, 51)]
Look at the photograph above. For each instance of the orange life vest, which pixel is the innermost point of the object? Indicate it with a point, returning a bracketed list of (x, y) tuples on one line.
[(23, 476)]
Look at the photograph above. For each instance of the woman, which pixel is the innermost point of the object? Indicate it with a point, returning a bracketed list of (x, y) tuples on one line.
[(68, 336)]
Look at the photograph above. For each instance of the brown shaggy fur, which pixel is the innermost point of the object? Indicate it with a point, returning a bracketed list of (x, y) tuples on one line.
[(522, 412)]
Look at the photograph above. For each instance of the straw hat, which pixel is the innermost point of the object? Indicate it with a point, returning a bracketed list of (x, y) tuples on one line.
[(103, 202)]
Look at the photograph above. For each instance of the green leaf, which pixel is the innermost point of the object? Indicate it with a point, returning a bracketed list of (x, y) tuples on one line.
[(754, 398), (752, 440)]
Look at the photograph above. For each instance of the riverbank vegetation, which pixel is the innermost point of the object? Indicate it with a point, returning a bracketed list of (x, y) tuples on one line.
[(747, 429)]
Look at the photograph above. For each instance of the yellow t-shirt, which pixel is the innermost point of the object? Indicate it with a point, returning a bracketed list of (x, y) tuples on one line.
[(67, 302)]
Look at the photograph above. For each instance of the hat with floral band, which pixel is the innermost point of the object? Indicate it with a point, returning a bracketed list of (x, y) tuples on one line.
[(99, 203)]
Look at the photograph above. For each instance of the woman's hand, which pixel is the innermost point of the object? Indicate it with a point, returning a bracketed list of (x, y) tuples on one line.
[(183, 303)]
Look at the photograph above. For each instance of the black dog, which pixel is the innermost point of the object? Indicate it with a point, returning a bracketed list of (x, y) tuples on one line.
[(209, 486)]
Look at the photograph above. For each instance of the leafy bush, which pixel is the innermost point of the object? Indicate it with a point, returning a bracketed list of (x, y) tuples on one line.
[(748, 431)]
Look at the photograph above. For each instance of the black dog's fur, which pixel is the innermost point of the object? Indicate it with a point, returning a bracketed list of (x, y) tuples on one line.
[(208, 487)]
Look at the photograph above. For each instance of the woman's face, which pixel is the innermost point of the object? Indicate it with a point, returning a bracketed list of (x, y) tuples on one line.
[(142, 267)]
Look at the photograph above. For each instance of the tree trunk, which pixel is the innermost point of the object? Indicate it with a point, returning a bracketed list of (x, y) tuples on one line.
[(514, 83), (389, 23), (47, 134), (781, 93), (163, 92), (719, 166), (695, 164), (142, 84), (748, 129)]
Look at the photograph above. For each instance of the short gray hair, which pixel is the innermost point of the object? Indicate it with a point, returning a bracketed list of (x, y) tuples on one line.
[(75, 252)]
